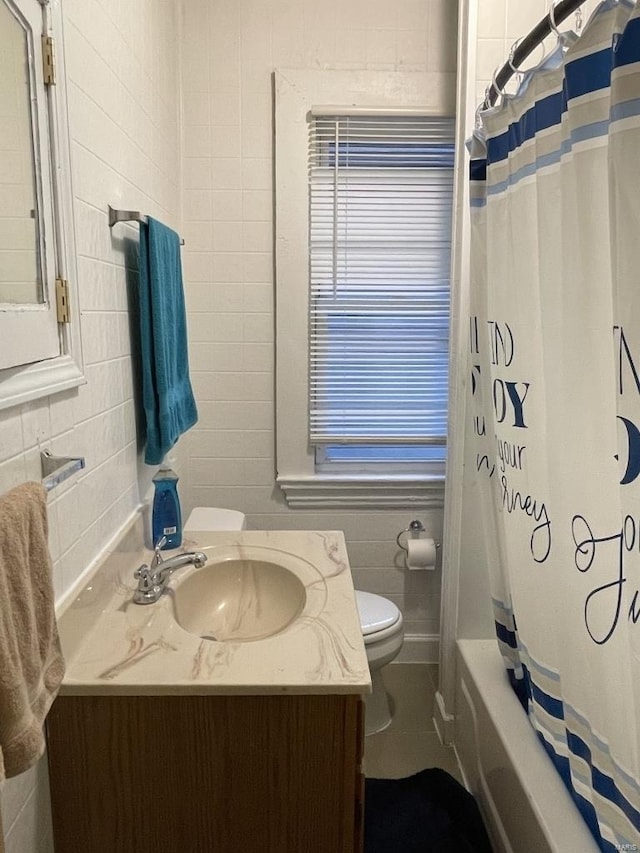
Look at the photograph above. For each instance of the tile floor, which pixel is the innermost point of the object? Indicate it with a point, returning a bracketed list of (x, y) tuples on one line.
[(410, 743)]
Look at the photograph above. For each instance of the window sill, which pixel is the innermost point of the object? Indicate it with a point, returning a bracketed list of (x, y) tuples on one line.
[(363, 492)]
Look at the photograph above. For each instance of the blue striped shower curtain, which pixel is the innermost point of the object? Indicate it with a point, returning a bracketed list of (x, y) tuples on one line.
[(554, 405)]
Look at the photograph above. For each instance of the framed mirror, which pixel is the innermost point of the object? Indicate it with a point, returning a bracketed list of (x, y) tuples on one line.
[(27, 290), (20, 261), (36, 224)]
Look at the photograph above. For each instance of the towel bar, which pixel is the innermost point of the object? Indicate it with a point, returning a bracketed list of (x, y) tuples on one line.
[(55, 469), (116, 216)]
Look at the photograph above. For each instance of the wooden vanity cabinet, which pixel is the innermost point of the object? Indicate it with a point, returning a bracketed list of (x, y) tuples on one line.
[(207, 774)]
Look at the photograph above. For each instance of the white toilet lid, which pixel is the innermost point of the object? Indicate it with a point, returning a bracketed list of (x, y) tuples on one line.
[(214, 518), (376, 612)]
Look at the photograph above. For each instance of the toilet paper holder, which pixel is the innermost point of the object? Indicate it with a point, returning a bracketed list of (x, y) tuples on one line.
[(414, 531)]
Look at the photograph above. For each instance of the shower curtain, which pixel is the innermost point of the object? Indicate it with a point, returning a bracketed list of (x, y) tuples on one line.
[(554, 403)]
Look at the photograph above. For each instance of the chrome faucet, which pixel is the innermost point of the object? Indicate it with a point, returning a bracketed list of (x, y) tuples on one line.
[(152, 579)]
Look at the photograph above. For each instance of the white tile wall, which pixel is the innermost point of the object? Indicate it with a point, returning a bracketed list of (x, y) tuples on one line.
[(231, 49), (123, 83)]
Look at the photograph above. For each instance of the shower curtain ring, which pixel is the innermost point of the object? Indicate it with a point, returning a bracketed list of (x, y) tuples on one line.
[(564, 38), (497, 89), (512, 53), (517, 73), (552, 21)]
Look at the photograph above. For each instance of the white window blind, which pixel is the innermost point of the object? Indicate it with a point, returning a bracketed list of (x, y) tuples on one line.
[(381, 193)]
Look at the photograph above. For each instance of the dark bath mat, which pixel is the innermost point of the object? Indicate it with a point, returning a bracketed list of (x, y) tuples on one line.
[(427, 813)]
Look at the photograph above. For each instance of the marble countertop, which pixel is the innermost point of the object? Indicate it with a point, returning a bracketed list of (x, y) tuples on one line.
[(113, 646)]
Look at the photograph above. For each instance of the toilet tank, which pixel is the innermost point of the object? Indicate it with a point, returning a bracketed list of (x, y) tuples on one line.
[(214, 518)]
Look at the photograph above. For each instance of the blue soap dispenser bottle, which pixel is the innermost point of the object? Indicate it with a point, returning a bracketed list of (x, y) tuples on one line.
[(166, 517)]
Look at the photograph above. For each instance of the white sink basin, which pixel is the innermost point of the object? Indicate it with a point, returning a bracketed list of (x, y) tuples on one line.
[(280, 604), (238, 599)]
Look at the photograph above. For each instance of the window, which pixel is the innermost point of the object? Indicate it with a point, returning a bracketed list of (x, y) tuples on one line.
[(380, 199), (363, 198)]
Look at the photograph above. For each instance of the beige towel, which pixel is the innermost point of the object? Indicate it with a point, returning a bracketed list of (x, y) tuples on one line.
[(31, 663)]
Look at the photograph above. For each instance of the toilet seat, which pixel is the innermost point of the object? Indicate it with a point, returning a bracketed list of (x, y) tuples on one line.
[(379, 617)]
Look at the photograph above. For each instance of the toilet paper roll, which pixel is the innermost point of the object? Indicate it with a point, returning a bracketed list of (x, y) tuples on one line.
[(421, 554)]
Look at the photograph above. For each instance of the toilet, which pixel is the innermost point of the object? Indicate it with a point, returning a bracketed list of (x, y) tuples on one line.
[(383, 634), (380, 619)]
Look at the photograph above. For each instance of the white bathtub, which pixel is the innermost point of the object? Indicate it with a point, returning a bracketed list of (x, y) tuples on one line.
[(526, 807)]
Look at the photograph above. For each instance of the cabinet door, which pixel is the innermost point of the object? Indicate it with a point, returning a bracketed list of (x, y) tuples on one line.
[(28, 321), (256, 774)]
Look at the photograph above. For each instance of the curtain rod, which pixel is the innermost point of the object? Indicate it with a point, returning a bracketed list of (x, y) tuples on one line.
[(528, 44)]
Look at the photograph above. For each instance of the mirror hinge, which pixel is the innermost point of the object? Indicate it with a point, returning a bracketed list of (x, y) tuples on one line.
[(62, 300), (48, 61)]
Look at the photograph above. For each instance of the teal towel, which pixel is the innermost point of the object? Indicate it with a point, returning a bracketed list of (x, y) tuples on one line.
[(169, 405)]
